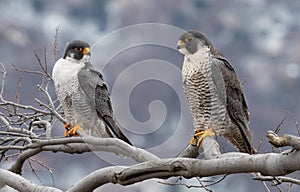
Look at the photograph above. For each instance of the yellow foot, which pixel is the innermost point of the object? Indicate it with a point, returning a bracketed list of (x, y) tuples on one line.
[(73, 131), (201, 134)]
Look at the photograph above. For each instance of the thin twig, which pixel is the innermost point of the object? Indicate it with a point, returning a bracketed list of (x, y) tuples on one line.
[(50, 170), (215, 182), (33, 171), (296, 122), (45, 72), (180, 184), (17, 97), (203, 186), (3, 71), (279, 179), (45, 60), (28, 71), (52, 107), (55, 44), (279, 125)]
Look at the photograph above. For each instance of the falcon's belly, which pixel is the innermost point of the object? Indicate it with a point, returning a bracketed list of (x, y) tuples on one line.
[(207, 109)]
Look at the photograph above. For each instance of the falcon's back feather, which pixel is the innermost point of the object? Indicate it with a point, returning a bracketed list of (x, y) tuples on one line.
[(236, 105)]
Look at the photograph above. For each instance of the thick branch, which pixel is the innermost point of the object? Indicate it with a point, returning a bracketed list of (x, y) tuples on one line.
[(17, 166), (80, 145), (267, 164), (97, 178)]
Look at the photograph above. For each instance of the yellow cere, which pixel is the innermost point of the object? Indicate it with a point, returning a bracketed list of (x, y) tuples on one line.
[(85, 50), (180, 42)]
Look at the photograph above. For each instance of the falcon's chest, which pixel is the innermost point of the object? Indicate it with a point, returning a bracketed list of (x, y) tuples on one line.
[(196, 66), (65, 76)]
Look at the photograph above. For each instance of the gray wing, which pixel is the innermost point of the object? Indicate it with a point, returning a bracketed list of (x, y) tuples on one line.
[(235, 101), (96, 91)]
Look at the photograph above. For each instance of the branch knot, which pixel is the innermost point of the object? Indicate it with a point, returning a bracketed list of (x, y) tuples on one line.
[(177, 166)]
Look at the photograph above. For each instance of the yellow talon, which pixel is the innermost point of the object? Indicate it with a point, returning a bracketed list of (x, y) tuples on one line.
[(202, 134), (66, 133), (192, 141), (73, 131), (67, 126)]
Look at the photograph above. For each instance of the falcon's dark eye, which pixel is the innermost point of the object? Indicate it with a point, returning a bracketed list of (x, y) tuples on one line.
[(188, 39), (78, 48)]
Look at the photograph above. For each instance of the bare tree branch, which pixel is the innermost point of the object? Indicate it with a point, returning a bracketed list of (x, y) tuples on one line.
[(28, 71), (44, 124), (78, 145), (16, 130), (279, 180), (267, 164), (50, 107), (201, 182), (283, 141), (19, 183), (43, 66), (55, 44), (17, 166)]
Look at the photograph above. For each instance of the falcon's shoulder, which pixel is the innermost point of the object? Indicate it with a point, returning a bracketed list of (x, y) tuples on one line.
[(235, 100)]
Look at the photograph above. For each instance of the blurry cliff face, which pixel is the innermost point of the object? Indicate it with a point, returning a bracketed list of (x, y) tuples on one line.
[(259, 37)]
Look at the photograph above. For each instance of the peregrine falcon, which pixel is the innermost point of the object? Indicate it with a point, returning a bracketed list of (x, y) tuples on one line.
[(214, 93), (83, 94)]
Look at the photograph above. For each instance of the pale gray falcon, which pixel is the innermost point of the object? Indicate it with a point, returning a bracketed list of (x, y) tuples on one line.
[(214, 93), (83, 94)]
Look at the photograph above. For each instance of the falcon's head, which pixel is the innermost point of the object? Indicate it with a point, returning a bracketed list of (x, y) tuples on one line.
[(191, 41), (78, 51)]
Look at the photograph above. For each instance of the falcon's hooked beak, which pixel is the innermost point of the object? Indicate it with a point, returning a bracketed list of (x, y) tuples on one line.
[(86, 58), (180, 44), (85, 50)]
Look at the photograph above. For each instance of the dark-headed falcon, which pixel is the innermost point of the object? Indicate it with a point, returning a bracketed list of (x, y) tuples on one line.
[(83, 94), (214, 93)]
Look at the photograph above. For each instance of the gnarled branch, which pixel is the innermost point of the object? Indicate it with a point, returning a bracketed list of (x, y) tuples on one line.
[(284, 140), (267, 164), (79, 145)]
